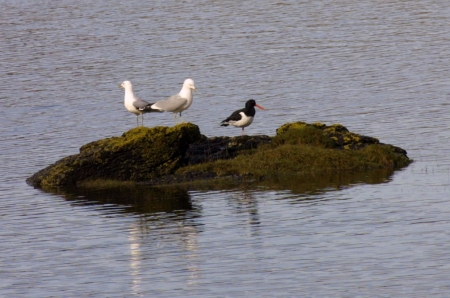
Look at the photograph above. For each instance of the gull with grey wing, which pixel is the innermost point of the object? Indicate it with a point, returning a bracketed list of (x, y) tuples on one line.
[(179, 102), (134, 104)]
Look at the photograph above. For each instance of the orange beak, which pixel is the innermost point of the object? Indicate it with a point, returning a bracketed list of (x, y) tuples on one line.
[(258, 106)]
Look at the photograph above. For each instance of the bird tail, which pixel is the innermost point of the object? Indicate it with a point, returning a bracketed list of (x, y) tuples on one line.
[(224, 123), (148, 109)]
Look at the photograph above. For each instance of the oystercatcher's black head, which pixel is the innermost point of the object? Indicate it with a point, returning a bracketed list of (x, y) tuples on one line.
[(252, 103)]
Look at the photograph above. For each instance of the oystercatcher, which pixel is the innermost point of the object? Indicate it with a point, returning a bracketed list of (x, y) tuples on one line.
[(243, 117)]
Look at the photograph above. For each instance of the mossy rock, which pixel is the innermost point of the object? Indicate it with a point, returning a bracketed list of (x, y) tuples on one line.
[(335, 135), (300, 147), (214, 148), (290, 159), (139, 154), (298, 125), (304, 135), (163, 155)]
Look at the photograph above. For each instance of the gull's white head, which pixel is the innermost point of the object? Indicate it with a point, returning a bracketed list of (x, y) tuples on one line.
[(126, 85), (189, 83)]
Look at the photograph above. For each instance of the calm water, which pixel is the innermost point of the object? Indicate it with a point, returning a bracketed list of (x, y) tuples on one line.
[(381, 68)]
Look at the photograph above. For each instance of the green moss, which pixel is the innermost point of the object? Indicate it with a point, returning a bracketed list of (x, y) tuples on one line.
[(293, 159), (285, 127), (303, 135), (299, 147), (146, 154), (139, 154)]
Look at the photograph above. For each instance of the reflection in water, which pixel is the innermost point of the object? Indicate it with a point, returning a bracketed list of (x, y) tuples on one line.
[(135, 199), (153, 200), (135, 261), (313, 184), (163, 223), (246, 203), (148, 200), (189, 238), (303, 185), (163, 215), (183, 235)]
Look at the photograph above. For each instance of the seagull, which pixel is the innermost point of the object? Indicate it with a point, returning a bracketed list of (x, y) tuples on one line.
[(243, 117), (134, 104), (179, 102)]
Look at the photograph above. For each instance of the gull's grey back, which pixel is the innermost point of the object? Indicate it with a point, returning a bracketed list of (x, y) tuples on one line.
[(171, 104)]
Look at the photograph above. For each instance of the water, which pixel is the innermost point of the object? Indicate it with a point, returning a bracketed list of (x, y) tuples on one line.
[(379, 68)]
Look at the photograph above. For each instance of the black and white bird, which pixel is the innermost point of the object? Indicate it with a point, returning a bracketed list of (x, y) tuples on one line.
[(134, 104), (179, 102), (243, 117)]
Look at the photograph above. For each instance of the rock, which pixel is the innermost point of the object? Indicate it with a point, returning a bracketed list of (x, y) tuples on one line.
[(163, 155), (209, 149), (298, 148), (139, 154), (340, 135)]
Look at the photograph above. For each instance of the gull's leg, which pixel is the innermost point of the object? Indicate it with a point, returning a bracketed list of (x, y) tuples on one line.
[(182, 120), (243, 131), (137, 120), (142, 119), (175, 117)]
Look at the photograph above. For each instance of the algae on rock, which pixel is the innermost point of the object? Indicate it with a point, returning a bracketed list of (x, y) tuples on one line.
[(163, 155), (336, 133), (139, 154), (305, 148)]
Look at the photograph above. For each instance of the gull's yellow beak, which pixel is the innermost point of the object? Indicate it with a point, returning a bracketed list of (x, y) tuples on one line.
[(120, 86), (193, 88)]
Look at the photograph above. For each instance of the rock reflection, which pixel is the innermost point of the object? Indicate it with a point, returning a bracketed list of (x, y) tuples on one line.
[(147, 199), (163, 218), (164, 224), (313, 184), (302, 184), (135, 199)]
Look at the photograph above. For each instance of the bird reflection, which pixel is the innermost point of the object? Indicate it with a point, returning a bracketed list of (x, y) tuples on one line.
[(150, 241), (245, 202), (135, 260), (165, 219)]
